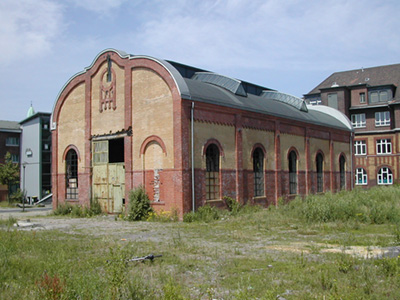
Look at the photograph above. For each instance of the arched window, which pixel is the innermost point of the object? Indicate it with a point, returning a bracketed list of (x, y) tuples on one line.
[(320, 172), (292, 172), (258, 169), (71, 174), (342, 171), (212, 172), (385, 176), (361, 176)]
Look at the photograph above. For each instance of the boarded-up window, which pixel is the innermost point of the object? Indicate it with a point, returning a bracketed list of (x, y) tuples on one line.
[(332, 100)]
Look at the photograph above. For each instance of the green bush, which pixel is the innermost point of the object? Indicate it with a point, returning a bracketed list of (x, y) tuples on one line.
[(16, 197), (204, 213), (139, 205), (232, 205)]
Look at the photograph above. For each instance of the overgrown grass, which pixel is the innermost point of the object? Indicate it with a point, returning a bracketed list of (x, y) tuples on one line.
[(252, 254), (78, 210), (380, 205)]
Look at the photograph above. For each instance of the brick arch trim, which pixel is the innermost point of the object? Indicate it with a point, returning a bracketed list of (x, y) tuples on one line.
[(344, 156), (320, 152), (71, 147), (295, 151), (153, 138), (258, 145), (217, 143)]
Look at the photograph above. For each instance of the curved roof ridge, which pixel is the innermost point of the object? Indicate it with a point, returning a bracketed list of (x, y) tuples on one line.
[(226, 82), (334, 113), (285, 98)]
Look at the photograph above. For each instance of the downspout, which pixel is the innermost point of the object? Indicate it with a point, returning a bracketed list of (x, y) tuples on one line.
[(192, 150), (351, 157)]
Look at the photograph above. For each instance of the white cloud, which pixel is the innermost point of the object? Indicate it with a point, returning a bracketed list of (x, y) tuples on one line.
[(102, 7), (28, 28), (276, 34)]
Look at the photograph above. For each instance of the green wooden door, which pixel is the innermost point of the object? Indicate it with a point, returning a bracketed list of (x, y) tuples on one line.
[(108, 179)]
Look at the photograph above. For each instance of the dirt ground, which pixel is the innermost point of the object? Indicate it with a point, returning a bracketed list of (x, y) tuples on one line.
[(34, 219)]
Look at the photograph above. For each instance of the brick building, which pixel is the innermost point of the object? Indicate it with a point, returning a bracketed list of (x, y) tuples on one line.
[(370, 98), (10, 133), (130, 120)]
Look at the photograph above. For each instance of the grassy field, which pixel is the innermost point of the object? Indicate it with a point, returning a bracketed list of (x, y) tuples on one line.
[(322, 247)]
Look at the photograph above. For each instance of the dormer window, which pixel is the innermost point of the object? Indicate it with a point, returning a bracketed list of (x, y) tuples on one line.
[(376, 96)]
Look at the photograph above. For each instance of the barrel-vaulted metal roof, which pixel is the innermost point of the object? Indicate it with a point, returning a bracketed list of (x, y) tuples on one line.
[(213, 94), (200, 85)]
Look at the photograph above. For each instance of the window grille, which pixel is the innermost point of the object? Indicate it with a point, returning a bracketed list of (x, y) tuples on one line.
[(212, 172), (292, 172), (71, 175), (320, 174), (258, 169), (342, 170)]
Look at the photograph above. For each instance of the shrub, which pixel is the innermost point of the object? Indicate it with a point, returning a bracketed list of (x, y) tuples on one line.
[(163, 216), (16, 197), (204, 213), (233, 205), (139, 204)]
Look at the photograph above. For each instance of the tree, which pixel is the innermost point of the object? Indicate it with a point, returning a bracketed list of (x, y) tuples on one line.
[(9, 171)]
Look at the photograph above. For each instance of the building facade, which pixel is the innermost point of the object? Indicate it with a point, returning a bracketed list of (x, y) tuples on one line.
[(10, 133), (370, 98), (36, 155), (190, 137)]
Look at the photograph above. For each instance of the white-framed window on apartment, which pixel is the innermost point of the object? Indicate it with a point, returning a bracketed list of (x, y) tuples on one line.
[(361, 176), (12, 141), (385, 176), (15, 158), (360, 147), (382, 118), (362, 97), (358, 120), (384, 146)]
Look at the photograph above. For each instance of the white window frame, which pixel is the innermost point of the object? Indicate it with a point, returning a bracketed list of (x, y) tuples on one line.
[(15, 158), (360, 147), (12, 141), (389, 176), (384, 146), (361, 174), (362, 97), (358, 120), (382, 118)]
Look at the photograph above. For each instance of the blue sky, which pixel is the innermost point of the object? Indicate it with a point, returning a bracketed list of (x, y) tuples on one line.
[(287, 45)]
